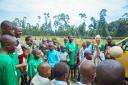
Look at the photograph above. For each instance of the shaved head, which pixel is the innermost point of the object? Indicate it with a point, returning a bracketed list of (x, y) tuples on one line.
[(60, 70), (42, 67), (7, 27), (7, 39), (88, 54), (36, 50), (6, 24), (44, 70), (87, 71), (110, 72), (37, 53), (8, 42)]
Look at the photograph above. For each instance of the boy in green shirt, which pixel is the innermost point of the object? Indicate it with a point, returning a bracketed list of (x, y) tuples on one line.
[(14, 57), (8, 74), (8, 28), (33, 63)]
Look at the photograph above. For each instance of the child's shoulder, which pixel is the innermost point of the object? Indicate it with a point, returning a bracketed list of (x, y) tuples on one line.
[(5, 56)]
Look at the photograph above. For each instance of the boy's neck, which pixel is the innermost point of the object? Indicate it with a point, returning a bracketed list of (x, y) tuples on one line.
[(60, 79), (44, 76), (70, 41), (36, 58), (25, 56), (4, 51), (87, 82)]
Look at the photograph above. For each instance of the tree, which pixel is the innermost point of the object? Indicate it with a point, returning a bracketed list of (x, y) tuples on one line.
[(92, 27), (16, 21), (125, 16), (102, 24), (93, 22), (61, 21), (122, 27), (47, 24), (82, 30), (91, 32), (119, 27), (24, 22), (83, 16), (39, 17), (82, 27)]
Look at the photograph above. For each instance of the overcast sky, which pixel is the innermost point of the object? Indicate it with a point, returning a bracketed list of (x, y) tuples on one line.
[(10, 9)]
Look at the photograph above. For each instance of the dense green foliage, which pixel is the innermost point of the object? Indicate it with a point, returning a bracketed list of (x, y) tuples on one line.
[(62, 27)]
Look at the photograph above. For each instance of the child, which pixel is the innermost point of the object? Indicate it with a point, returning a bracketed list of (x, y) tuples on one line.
[(44, 50), (34, 63), (18, 32), (97, 57), (64, 57), (60, 76), (44, 71), (110, 72), (65, 41), (8, 75), (87, 72), (29, 42), (53, 55), (82, 51), (23, 60)]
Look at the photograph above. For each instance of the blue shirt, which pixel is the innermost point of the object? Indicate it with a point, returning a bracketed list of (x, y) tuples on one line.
[(98, 60), (17, 42), (53, 57), (84, 50)]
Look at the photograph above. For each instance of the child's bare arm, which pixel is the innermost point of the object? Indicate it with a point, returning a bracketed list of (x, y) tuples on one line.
[(97, 51), (21, 65)]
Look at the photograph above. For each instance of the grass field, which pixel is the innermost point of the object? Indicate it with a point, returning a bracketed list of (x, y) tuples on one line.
[(79, 41)]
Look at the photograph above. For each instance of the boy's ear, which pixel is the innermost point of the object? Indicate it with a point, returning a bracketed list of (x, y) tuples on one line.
[(6, 44)]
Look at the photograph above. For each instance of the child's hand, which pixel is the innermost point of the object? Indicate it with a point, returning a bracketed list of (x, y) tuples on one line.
[(107, 53), (93, 42), (24, 64), (23, 69)]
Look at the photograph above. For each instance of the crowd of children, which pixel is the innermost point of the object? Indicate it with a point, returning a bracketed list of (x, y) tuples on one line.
[(45, 62)]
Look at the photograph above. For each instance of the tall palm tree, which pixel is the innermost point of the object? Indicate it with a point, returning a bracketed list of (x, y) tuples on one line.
[(83, 16)]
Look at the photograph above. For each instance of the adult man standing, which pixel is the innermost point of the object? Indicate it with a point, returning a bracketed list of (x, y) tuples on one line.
[(108, 45), (71, 49)]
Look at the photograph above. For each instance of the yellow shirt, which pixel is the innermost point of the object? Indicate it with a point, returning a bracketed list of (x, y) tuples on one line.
[(124, 61)]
